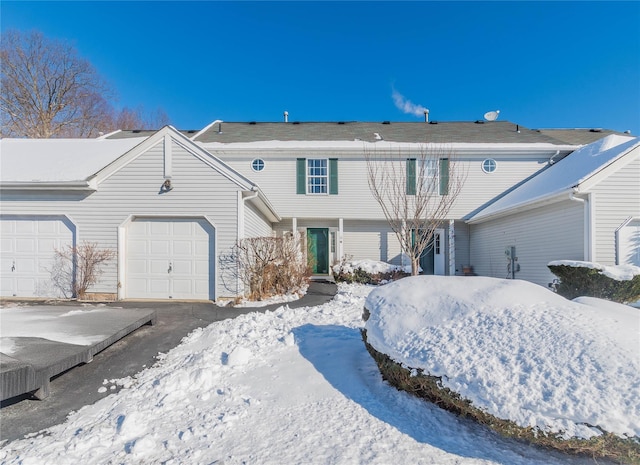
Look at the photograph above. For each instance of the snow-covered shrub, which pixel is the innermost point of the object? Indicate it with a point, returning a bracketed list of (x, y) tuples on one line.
[(578, 278), (367, 272)]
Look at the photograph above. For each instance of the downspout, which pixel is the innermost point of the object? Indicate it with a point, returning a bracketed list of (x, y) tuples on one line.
[(587, 224)]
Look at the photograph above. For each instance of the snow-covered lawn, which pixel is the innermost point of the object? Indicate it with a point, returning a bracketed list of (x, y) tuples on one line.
[(517, 350), (293, 386)]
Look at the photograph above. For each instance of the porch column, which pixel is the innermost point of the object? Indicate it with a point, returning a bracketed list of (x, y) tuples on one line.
[(340, 239), (452, 248)]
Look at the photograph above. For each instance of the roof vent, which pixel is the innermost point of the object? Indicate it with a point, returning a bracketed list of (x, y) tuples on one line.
[(433, 122), (340, 122), (252, 122), (479, 121), (595, 130), (296, 122), (136, 131), (426, 115), (286, 116), (386, 122)]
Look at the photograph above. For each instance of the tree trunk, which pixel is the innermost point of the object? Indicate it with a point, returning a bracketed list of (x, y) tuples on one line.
[(415, 266)]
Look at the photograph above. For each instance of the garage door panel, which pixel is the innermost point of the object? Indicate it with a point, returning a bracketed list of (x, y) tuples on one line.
[(28, 252), (176, 253)]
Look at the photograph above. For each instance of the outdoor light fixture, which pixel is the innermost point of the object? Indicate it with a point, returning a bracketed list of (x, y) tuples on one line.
[(166, 186)]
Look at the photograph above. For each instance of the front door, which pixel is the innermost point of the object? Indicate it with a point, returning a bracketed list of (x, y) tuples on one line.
[(432, 258), (318, 250)]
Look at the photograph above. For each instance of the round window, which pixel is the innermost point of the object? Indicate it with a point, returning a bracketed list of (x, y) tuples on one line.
[(489, 165), (257, 164)]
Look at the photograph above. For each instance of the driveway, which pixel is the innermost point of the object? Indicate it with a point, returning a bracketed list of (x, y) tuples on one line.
[(80, 386)]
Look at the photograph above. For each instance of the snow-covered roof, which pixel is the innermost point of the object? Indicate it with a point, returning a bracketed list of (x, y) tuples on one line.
[(58, 160), (564, 176)]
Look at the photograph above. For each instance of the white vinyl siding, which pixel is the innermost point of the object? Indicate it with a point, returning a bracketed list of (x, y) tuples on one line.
[(616, 199), (354, 200), (372, 240), (255, 224), (463, 256), (541, 235)]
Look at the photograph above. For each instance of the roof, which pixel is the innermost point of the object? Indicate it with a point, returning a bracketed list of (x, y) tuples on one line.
[(579, 136), (563, 177), (418, 132), (59, 160)]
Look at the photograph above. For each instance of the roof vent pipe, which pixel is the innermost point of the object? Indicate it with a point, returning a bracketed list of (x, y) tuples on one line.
[(286, 116), (426, 115)]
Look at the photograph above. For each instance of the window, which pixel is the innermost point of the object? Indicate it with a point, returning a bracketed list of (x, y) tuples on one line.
[(431, 175), (489, 165), (317, 176), (257, 164)]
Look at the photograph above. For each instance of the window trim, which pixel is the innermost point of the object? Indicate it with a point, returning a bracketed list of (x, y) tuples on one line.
[(325, 176), (260, 162), (489, 160)]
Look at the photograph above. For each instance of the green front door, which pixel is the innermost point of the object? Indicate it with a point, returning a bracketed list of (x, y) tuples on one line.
[(318, 249)]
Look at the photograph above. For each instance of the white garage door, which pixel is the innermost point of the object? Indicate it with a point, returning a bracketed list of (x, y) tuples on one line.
[(629, 243), (27, 253), (170, 259)]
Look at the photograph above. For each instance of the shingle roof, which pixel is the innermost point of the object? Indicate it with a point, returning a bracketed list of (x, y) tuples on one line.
[(578, 136), (418, 132)]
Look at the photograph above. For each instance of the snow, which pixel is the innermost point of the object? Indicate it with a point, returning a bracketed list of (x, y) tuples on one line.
[(564, 175), (288, 386), (59, 160), (517, 350), (617, 272), (39, 322)]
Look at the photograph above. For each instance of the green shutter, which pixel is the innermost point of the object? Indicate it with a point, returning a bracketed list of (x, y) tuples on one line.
[(301, 176), (333, 176), (444, 176), (411, 176)]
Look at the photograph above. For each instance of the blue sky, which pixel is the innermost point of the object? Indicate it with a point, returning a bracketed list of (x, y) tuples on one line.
[(542, 64)]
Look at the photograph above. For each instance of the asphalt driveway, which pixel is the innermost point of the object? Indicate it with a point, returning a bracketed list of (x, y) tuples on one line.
[(80, 386)]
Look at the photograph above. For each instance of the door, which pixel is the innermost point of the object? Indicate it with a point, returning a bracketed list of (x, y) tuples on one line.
[(28, 267), (432, 257), (170, 258), (318, 250)]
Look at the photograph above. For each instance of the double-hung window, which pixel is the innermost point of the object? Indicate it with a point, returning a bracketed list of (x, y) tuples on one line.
[(431, 175), (317, 176)]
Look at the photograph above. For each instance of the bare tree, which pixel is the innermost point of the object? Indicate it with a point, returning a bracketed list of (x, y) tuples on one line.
[(416, 192), (48, 90), (129, 118)]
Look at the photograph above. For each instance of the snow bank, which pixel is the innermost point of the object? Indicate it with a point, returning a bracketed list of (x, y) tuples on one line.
[(618, 272), (517, 350)]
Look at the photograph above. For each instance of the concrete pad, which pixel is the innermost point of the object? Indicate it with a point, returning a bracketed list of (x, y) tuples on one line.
[(45, 341)]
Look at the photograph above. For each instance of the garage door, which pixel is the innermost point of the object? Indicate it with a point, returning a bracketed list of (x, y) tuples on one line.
[(629, 243), (170, 259), (27, 253)]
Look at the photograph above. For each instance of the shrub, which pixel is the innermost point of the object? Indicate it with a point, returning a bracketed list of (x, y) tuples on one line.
[(271, 266), (76, 269), (576, 281), (350, 272), (431, 389)]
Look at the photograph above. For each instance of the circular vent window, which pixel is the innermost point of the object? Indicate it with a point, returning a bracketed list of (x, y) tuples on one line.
[(257, 164), (489, 165)]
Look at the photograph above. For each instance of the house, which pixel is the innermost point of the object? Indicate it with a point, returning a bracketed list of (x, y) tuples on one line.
[(173, 200)]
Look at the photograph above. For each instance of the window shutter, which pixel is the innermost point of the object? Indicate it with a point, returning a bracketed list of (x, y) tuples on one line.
[(301, 176), (411, 176), (444, 176), (333, 176)]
